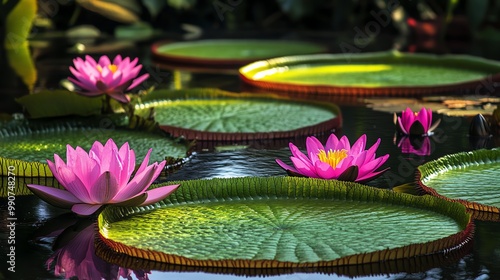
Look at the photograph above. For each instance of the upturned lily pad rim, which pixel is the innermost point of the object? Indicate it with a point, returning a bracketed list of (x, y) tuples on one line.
[(441, 165), (295, 187), (208, 93), (216, 62), (408, 265), (246, 72)]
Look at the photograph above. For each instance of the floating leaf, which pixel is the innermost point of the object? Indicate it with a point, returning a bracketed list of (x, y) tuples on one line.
[(208, 114), (470, 178), (389, 73), (284, 222), (228, 52), (39, 142), (60, 103)]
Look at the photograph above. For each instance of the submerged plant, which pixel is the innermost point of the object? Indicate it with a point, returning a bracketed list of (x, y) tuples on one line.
[(336, 160), (416, 123), (106, 77), (102, 176)]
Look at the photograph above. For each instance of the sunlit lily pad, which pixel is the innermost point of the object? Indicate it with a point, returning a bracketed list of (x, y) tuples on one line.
[(207, 114), (389, 73), (229, 52), (471, 178), (284, 222)]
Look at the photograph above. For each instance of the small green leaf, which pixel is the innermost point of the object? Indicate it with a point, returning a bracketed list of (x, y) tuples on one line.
[(60, 103)]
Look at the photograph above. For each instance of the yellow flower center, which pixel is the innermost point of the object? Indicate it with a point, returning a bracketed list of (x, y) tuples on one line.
[(332, 157), (111, 68)]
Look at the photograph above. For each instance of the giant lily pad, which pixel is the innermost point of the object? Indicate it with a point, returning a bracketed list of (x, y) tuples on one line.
[(388, 73), (284, 222), (229, 52), (39, 141), (471, 178), (207, 114)]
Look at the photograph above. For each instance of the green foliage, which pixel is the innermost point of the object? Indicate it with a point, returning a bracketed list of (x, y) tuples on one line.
[(60, 103)]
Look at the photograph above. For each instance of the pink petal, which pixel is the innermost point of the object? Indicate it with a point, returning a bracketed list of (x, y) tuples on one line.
[(304, 168), (403, 128), (423, 118), (128, 161), (324, 170), (299, 155), (74, 185), (137, 185), (104, 61), (90, 60), (158, 194), (285, 166), (85, 209), (117, 60), (53, 196), (120, 97), (313, 146), (85, 86), (371, 166), (145, 162), (370, 176), (332, 142), (105, 188), (370, 153), (359, 145), (137, 81), (344, 144), (55, 166)]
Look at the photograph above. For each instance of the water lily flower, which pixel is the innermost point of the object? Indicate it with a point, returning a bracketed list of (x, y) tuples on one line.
[(336, 160), (106, 77), (102, 176), (416, 123)]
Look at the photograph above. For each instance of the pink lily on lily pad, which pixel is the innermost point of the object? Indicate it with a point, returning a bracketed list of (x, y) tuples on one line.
[(416, 123), (96, 78), (337, 159), (102, 176)]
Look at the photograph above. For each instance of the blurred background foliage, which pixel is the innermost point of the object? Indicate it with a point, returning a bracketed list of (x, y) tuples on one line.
[(181, 16), (33, 29)]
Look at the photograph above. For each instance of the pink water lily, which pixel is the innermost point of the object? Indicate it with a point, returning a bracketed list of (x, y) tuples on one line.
[(102, 176), (416, 123), (106, 77), (336, 160)]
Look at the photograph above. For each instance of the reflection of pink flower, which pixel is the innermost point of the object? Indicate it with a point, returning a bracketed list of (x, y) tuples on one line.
[(102, 176), (418, 123), (420, 146), (104, 77), (77, 258), (336, 160)]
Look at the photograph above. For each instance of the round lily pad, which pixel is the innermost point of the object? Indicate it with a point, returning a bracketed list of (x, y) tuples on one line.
[(230, 52), (388, 73), (284, 222), (470, 178), (205, 114), (37, 143)]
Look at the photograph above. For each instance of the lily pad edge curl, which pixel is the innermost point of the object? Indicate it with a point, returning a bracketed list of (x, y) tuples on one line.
[(290, 188), (463, 159)]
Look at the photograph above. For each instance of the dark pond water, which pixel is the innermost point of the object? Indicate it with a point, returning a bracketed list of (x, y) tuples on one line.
[(481, 261)]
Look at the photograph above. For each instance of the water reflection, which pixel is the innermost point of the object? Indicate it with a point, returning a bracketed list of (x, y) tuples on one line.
[(420, 146), (74, 251)]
